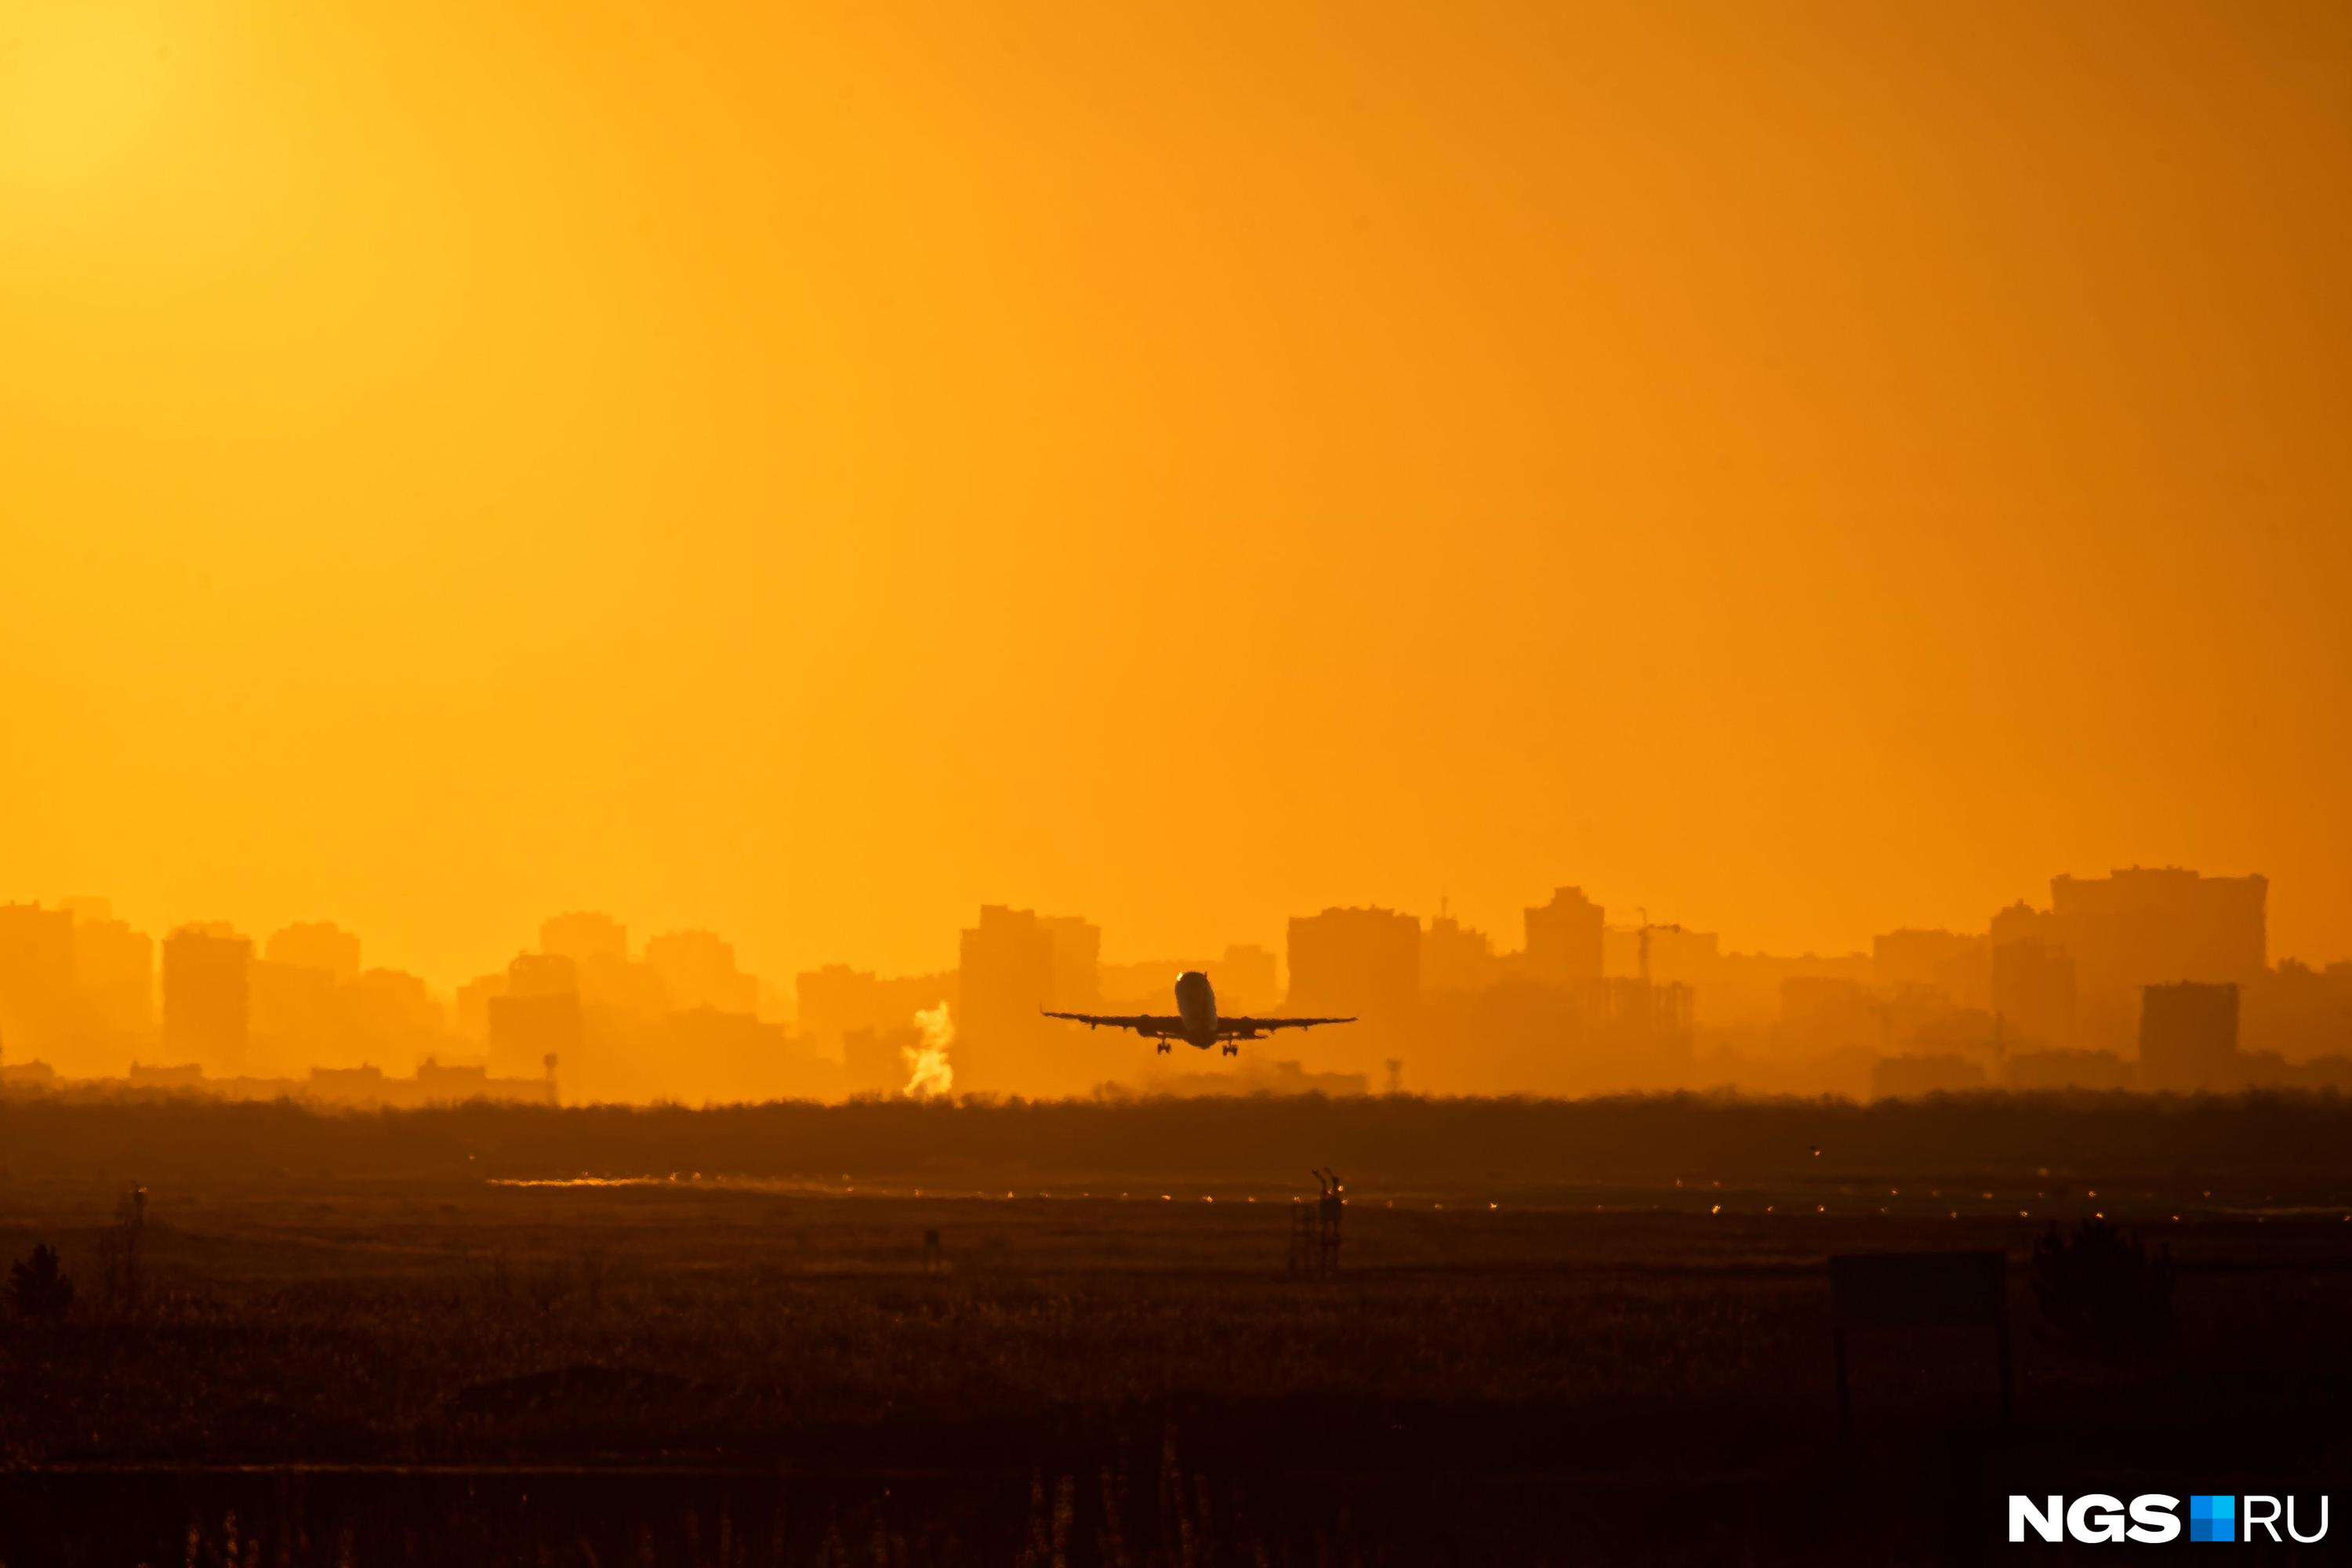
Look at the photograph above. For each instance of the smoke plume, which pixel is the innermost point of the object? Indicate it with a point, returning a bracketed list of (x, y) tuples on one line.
[(928, 1071)]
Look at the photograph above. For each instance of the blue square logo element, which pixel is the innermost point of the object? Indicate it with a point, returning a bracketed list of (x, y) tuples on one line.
[(2213, 1518)]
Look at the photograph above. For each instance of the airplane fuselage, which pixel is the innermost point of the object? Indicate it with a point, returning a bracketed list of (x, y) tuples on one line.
[(1196, 1004)]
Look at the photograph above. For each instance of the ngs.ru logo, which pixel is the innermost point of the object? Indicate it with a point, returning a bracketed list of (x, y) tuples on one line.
[(2153, 1517)]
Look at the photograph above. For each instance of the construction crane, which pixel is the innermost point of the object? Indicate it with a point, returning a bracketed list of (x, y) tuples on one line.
[(1644, 931)]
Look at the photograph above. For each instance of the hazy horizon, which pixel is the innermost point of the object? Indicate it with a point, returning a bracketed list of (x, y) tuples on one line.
[(1507, 935)]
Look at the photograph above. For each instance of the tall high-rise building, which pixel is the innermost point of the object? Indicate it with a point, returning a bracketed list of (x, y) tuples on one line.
[(1455, 957), (395, 1018), (535, 1025), (114, 971), (321, 945), (1358, 964), (207, 997), (470, 1012), (1004, 983), (832, 1001), (2151, 926), (36, 979), (2154, 926), (583, 936), (1245, 979), (1564, 939), (298, 1016), (698, 970), (1078, 961)]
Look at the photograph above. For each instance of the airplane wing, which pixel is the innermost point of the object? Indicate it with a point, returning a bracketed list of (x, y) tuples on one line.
[(1245, 1027), (1153, 1024)]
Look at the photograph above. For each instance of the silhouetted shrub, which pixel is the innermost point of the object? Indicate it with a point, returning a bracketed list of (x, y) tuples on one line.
[(1403, 1139), (2100, 1284), (37, 1288)]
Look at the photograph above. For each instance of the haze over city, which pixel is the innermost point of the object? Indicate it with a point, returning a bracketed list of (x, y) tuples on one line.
[(806, 476), (2155, 978)]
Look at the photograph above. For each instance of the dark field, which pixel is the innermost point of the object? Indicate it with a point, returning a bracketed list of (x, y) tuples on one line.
[(354, 1341)]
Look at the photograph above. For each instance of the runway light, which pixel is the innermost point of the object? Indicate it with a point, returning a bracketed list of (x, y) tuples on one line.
[(1166, 1199), (1767, 1209), (1820, 1208), (1717, 1209), (1494, 1205), (2098, 1214)]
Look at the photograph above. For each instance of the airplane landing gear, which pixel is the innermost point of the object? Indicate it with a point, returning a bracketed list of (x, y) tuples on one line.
[(1232, 1050), (1162, 1047)]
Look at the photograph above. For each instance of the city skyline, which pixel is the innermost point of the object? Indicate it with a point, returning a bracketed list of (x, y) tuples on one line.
[(1623, 917), (1577, 998)]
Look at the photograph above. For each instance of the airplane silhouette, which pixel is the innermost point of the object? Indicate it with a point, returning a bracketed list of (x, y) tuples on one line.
[(1195, 1022)]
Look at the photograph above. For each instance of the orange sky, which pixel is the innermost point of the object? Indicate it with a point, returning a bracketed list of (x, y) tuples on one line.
[(1804, 470)]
